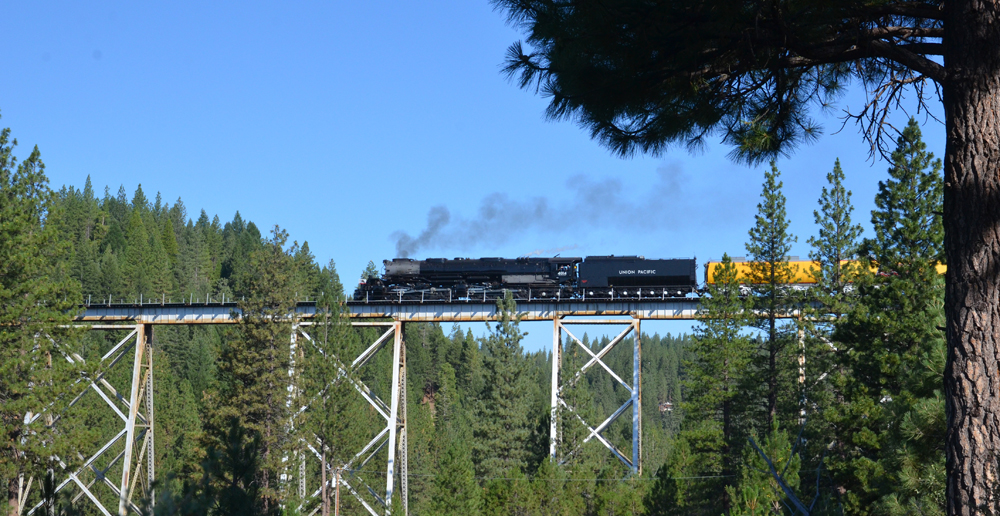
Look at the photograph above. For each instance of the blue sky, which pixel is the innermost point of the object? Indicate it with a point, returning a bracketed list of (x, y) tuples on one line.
[(349, 122)]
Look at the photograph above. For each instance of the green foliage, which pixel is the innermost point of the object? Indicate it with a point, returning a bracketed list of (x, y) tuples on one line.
[(907, 218), (502, 427), (253, 368), (757, 491), (680, 487), (641, 76), (371, 271), (37, 297), (334, 419), (178, 427), (455, 488), (836, 242), (478, 409), (770, 276), (237, 472), (891, 350), (715, 425)]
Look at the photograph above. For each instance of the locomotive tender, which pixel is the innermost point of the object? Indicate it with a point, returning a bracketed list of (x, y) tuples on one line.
[(528, 279)]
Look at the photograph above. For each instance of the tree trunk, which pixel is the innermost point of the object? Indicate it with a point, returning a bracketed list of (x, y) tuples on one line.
[(772, 362), (12, 497), (325, 493), (972, 245)]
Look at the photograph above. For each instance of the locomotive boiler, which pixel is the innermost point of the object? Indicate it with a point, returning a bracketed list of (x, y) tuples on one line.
[(529, 279)]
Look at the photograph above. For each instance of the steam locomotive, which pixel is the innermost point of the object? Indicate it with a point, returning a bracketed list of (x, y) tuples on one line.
[(529, 279)]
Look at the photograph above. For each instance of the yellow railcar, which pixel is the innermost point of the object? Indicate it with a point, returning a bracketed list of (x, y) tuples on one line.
[(803, 271)]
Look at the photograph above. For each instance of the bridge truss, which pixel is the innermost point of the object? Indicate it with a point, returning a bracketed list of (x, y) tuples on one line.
[(134, 405)]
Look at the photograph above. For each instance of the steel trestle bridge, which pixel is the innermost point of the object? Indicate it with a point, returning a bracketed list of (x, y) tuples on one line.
[(134, 404)]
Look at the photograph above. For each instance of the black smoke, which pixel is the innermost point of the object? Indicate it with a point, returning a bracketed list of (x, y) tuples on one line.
[(662, 203)]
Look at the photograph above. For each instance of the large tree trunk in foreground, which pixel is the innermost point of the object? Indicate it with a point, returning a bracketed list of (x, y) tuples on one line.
[(972, 244)]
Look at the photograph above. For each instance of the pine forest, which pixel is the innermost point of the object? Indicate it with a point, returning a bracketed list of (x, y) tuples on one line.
[(836, 411)]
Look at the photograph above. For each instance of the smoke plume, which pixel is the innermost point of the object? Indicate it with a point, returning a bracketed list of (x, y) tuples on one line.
[(664, 203)]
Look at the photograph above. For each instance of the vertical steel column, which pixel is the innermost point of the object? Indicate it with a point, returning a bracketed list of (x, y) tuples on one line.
[(404, 488), (290, 403), (150, 429), (554, 387), (397, 346), (802, 374), (140, 346), (302, 473), (637, 399)]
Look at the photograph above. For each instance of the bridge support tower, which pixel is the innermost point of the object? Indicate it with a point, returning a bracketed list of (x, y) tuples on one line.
[(560, 382)]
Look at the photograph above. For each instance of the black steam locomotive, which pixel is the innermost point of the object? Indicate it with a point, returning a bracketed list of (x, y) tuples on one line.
[(485, 279)]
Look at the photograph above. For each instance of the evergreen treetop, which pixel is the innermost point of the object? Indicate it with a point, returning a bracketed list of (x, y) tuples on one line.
[(907, 217), (837, 240)]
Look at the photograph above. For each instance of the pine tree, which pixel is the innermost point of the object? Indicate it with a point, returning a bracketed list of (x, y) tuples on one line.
[(307, 273), (676, 491), (620, 498), (178, 427), (158, 261), (253, 367), (835, 249), (770, 275), (371, 271), (111, 283), (502, 426), (136, 268), (37, 298), (235, 466), (119, 207), (115, 239), (455, 489), (169, 238), (139, 201), (717, 374), (907, 218), (86, 268), (579, 398), (470, 372), (894, 350), (329, 282), (836, 243)]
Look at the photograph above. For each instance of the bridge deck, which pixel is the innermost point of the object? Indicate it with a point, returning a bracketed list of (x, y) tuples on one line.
[(226, 313)]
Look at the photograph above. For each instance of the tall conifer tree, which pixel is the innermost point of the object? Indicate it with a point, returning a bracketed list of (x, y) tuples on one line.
[(835, 250), (715, 419), (253, 368), (37, 298), (836, 243), (455, 490), (137, 266), (770, 274), (502, 427), (894, 350)]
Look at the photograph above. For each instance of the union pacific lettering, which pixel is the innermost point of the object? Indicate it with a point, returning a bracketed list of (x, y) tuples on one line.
[(640, 271)]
